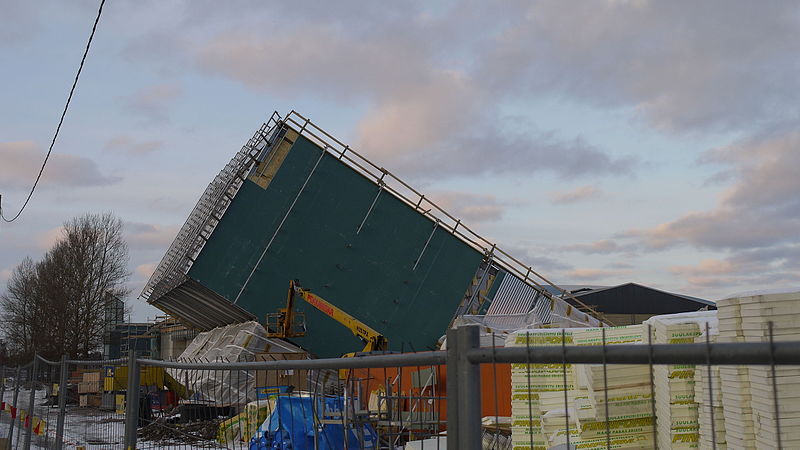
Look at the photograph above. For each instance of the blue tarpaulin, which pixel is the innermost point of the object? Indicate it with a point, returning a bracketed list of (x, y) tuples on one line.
[(295, 424)]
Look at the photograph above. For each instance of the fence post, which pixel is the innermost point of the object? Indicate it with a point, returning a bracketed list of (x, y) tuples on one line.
[(132, 402), (3, 389), (14, 405), (63, 391), (31, 403), (2, 384), (469, 388), (452, 390)]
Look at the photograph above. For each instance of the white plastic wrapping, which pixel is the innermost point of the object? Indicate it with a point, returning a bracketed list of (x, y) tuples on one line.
[(232, 343)]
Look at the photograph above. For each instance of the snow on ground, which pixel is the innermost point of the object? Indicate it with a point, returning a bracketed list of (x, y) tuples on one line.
[(82, 426), (89, 427)]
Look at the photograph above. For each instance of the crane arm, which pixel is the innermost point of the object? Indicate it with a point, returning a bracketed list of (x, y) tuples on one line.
[(374, 340)]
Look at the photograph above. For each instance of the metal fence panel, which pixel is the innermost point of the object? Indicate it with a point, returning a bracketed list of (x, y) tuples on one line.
[(522, 396)]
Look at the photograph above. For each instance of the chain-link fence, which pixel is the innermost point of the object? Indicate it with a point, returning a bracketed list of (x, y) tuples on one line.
[(619, 387)]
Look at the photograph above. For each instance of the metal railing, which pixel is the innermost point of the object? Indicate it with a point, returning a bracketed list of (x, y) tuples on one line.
[(390, 182), (214, 201), (207, 212), (455, 398)]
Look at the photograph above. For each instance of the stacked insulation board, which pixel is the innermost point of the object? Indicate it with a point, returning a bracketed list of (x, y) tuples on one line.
[(708, 396), (735, 382), (623, 390), (625, 383), (675, 406), (677, 411), (536, 389), (575, 395), (783, 310), (721, 407)]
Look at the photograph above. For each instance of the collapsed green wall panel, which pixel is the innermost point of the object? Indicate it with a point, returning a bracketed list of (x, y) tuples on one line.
[(370, 275)]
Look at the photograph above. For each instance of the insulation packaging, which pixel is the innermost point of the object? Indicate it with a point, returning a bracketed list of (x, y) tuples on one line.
[(238, 342), (737, 408), (678, 426), (536, 389), (783, 310), (736, 397), (627, 417), (580, 401), (710, 414)]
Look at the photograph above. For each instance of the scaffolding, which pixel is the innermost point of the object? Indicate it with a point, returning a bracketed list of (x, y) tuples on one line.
[(208, 211), (172, 269)]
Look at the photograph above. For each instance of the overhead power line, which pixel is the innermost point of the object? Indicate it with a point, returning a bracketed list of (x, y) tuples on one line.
[(60, 122)]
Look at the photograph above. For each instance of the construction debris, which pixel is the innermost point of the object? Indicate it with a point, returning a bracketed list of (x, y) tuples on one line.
[(168, 430)]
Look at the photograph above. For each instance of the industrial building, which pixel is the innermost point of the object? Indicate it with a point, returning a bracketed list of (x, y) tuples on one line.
[(123, 338), (632, 303)]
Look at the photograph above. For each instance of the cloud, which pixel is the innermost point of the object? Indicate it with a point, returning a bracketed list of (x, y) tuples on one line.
[(720, 65), (49, 238), (470, 207), (414, 103), (145, 270), (578, 194), (318, 57), (149, 236), (496, 153), (586, 274), (604, 246), (416, 118), (754, 223), (22, 160), (761, 209), (5, 275), (774, 267), (18, 22), (153, 102), (427, 116), (436, 107), (538, 258), (710, 266), (132, 146)]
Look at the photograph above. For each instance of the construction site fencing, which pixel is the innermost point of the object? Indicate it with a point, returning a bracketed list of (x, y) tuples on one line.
[(465, 397)]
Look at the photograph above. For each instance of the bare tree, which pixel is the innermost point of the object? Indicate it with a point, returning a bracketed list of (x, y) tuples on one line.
[(21, 293), (58, 304)]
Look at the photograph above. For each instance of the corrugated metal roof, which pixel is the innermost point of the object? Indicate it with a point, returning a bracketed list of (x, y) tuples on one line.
[(199, 307), (512, 297), (515, 299)]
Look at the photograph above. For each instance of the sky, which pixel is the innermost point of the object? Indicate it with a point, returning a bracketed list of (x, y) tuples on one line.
[(601, 142)]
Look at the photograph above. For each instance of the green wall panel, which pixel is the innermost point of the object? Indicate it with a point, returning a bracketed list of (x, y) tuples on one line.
[(369, 275)]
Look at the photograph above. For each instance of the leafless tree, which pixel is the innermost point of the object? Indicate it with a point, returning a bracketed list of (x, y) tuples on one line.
[(21, 293), (58, 305)]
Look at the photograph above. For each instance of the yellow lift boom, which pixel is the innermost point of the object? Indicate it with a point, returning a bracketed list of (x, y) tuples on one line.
[(284, 324)]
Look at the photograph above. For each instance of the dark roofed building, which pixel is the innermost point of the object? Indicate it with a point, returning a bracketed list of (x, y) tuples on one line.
[(632, 303)]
